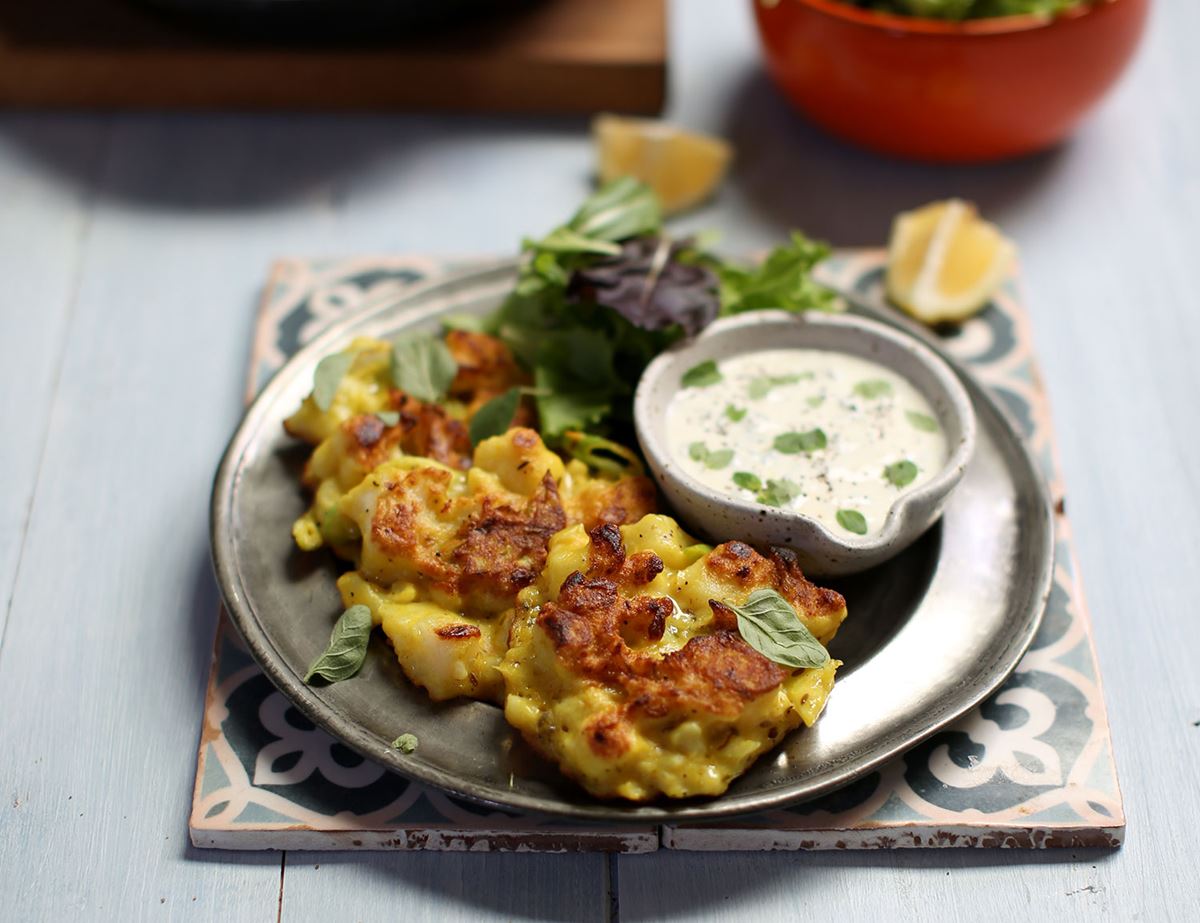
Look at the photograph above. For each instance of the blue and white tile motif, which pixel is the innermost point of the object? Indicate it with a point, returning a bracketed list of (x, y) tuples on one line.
[(1031, 766)]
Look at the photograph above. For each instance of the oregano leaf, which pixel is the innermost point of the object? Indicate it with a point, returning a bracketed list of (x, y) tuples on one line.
[(778, 492), (921, 421), (794, 443), (702, 375), (423, 367), (405, 743), (347, 647), (494, 417), (747, 480), (901, 473), (852, 521), (873, 388), (328, 375)]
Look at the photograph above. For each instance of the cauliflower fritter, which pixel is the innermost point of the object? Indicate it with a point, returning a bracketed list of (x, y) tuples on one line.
[(626, 667), (436, 548), (352, 440), (486, 368)]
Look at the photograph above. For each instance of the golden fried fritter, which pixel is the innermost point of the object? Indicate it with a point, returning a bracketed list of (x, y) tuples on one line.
[(629, 672), (486, 369), (594, 500)]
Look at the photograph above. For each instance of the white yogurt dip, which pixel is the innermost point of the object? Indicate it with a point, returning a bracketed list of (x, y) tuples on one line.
[(827, 434)]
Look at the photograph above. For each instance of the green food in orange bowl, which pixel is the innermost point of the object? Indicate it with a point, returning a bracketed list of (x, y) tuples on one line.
[(969, 9)]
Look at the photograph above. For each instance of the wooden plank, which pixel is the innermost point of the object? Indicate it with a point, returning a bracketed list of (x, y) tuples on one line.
[(104, 659), (566, 56), (43, 227), (444, 887)]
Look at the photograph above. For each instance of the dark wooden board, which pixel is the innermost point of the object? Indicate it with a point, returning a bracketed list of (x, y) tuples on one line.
[(549, 56)]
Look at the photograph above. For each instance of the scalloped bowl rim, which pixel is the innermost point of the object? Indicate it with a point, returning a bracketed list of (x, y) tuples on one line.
[(899, 522)]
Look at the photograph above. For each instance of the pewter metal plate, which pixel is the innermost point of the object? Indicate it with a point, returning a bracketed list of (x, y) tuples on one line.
[(929, 635)]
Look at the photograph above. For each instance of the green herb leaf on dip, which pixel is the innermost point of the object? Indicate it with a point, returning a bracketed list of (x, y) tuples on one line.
[(347, 647), (770, 625), (405, 743), (873, 388), (921, 421), (852, 521), (328, 375), (702, 375), (794, 443), (747, 480), (698, 451), (423, 367), (778, 493), (736, 414), (760, 387), (388, 417), (901, 473), (815, 401), (494, 417)]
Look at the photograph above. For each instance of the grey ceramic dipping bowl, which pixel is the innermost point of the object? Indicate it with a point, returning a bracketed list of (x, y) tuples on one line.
[(721, 517)]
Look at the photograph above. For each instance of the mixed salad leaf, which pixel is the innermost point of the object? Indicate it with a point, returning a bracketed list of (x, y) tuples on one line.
[(968, 9), (602, 295)]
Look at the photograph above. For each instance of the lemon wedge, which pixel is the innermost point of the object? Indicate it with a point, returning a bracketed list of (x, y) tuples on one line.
[(945, 262), (682, 167)]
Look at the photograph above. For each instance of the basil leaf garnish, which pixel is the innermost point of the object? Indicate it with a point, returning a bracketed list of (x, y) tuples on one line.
[(794, 443), (328, 375), (423, 367), (494, 417), (921, 421), (747, 480), (347, 647), (901, 473), (736, 414), (778, 493), (873, 388), (769, 624), (852, 521), (405, 743), (388, 417), (702, 375)]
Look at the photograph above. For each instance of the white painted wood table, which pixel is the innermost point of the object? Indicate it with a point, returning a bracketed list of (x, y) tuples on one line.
[(131, 250)]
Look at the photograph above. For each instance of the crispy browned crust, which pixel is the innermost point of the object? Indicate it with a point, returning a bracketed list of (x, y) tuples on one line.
[(498, 550), (458, 632), (617, 502), (395, 526), (737, 562), (598, 621), (486, 368), (422, 429), (503, 548)]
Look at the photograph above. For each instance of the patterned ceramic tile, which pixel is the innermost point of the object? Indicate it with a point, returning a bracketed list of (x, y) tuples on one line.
[(1031, 767)]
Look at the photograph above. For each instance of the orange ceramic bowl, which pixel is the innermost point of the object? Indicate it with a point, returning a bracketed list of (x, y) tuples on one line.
[(977, 90)]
